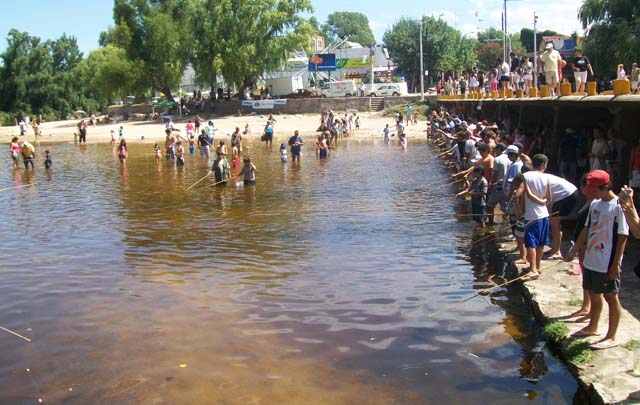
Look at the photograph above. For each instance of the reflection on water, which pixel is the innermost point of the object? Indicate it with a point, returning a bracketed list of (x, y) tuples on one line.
[(316, 283)]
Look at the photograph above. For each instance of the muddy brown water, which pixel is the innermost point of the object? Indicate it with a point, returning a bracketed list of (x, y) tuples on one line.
[(314, 286)]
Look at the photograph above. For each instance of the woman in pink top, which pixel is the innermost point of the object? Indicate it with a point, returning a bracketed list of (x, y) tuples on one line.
[(493, 78), (189, 129), (14, 148)]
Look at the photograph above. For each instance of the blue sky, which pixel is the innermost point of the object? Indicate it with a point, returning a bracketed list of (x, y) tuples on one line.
[(85, 19)]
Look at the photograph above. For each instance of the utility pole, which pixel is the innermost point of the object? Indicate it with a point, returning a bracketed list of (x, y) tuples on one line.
[(535, 50), (373, 55), (421, 65)]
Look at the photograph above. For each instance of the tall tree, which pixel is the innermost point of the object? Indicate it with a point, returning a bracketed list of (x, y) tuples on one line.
[(526, 37), (110, 74), (156, 35), (42, 77), (444, 47), (246, 39), (351, 25), (613, 28)]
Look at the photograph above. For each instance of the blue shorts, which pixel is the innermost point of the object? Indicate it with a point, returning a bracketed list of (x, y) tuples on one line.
[(536, 233)]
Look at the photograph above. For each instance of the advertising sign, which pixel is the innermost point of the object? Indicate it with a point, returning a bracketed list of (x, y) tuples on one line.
[(322, 62), (263, 104)]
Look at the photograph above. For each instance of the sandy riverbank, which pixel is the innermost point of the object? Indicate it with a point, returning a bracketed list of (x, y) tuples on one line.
[(371, 124)]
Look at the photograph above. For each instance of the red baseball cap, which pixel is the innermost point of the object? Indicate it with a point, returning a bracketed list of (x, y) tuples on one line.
[(595, 179)]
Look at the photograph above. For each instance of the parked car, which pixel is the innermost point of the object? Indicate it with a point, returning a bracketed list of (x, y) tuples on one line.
[(304, 93), (386, 90), (343, 88)]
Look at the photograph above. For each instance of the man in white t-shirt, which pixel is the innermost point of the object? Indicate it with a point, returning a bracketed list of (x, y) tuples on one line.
[(537, 195), (603, 239), (563, 196), (550, 58)]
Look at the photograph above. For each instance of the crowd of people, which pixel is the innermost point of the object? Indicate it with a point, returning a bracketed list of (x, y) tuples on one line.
[(508, 169), (551, 69)]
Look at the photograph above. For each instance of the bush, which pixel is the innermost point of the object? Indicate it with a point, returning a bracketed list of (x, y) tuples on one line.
[(7, 119), (578, 351), (556, 331)]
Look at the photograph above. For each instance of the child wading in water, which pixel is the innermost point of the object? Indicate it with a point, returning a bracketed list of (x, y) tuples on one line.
[(158, 152), (48, 162), (179, 154), (248, 172), (283, 152), (122, 151), (113, 136)]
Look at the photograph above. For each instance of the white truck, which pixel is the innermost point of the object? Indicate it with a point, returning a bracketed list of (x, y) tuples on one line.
[(284, 85), (343, 88)]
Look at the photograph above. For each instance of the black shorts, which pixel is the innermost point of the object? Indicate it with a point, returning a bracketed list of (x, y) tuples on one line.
[(564, 206), (504, 78), (268, 137), (599, 283)]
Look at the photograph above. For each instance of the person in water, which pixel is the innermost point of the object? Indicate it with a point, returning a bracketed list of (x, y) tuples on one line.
[(122, 151), (248, 172), (48, 162), (14, 149), (179, 154), (221, 169)]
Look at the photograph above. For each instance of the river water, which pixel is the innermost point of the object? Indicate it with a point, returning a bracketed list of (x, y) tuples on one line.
[(314, 286)]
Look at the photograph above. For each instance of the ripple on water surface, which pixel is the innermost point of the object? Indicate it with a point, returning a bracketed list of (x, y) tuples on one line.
[(319, 280)]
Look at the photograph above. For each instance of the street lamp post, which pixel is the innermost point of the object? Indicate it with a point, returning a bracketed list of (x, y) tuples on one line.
[(535, 51), (421, 65)]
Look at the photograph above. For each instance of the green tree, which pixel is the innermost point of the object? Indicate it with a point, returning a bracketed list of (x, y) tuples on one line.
[(110, 74), (444, 47), (613, 28), (248, 38), (42, 77), (351, 25), (155, 35), (526, 37)]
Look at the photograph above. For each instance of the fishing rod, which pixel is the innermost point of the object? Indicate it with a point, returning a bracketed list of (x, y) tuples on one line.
[(15, 334), (489, 290), (510, 226), (20, 186), (203, 178)]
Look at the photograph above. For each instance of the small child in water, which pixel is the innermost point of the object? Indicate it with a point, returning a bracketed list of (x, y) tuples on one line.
[(386, 133), (121, 132), (113, 136), (192, 144), (235, 161), (179, 154), (283, 152), (158, 152), (47, 159)]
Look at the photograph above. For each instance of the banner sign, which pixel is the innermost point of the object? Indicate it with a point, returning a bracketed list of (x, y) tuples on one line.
[(353, 63), (322, 62), (263, 104)]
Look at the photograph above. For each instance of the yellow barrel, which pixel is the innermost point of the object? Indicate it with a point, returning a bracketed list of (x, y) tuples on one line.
[(544, 90), (621, 87), (591, 88), (509, 93), (519, 93), (533, 92), (565, 89)]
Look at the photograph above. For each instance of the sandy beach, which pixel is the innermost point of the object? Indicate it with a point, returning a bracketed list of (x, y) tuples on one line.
[(371, 125)]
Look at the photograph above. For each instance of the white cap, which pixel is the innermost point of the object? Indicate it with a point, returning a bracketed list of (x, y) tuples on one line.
[(512, 149), (549, 45)]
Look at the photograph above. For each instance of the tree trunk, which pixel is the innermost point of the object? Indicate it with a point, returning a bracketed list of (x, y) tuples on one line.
[(167, 93)]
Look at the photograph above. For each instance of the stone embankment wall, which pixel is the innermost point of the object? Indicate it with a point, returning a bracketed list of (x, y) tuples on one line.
[(294, 106)]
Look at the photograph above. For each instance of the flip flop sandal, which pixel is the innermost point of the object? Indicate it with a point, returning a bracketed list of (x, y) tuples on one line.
[(606, 344), (531, 277), (583, 333)]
